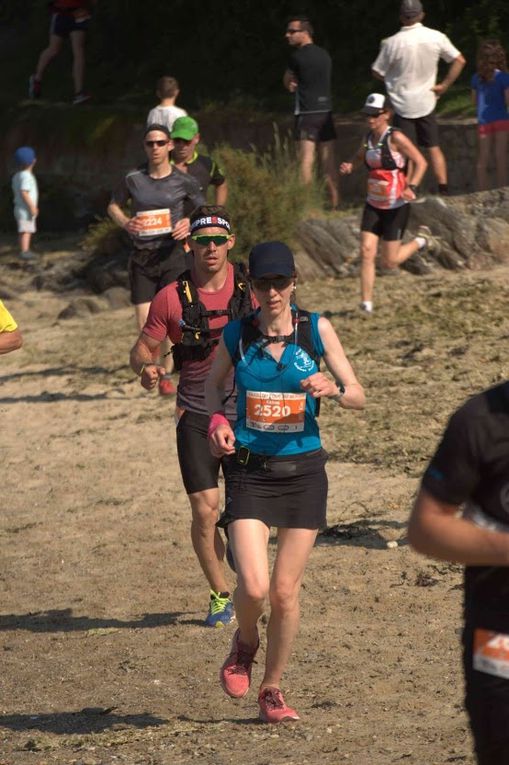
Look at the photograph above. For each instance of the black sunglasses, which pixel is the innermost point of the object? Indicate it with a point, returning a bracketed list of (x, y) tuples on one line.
[(156, 143), (293, 31), (278, 282)]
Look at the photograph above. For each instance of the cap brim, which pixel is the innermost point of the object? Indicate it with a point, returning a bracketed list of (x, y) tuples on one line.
[(272, 269), (372, 111), (183, 136)]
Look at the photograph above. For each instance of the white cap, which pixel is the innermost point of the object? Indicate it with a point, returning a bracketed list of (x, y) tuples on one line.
[(376, 103)]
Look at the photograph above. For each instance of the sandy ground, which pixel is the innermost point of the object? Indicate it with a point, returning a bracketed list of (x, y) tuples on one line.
[(105, 659)]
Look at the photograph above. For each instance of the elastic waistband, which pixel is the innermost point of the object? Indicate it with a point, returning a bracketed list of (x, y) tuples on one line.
[(245, 457)]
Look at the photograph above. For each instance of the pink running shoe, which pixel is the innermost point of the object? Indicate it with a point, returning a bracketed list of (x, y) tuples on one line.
[(273, 708), (235, 674)]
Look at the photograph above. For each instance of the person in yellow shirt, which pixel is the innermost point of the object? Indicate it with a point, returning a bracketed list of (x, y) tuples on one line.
[(10, 336)]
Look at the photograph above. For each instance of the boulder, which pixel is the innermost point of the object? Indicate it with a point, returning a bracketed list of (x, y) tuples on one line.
[(473, 231)]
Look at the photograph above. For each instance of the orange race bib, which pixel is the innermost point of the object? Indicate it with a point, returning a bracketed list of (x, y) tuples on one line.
[(155, 222), (275, 412), (491, 653), (385, 187)]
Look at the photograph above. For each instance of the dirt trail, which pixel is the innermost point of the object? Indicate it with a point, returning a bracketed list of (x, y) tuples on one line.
[(104, 656)]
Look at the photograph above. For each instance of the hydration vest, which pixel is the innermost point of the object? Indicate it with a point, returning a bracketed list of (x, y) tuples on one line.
[(196, 343), (250, 333), (388, 161)]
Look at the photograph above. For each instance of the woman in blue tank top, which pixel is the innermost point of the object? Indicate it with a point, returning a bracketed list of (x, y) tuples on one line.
[(274, 461)]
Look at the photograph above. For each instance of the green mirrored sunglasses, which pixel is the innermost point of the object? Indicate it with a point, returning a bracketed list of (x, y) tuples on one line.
[(204, 239)]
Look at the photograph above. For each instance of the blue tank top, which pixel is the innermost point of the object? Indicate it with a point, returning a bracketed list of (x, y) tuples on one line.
[(274, 415)]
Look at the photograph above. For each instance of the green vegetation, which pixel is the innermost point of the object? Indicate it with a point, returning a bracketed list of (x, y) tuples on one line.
[(266, 194), (224, 53)]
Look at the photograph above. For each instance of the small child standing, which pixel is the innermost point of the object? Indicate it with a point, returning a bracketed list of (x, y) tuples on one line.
[(490, 94), (166, 113), (26, 199)]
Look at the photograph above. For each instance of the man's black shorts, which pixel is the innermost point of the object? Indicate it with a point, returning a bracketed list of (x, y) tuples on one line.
[(314, 127), (389, 225), (199, 469), (151, 270), (421, 130), (487, 703)]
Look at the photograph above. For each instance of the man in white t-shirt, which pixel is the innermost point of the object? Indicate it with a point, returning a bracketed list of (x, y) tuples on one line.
[(166, 112), (408, 65)]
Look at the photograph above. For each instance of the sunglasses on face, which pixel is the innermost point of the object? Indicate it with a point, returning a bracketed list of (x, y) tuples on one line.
[(151, 144), (277, 282), (217, 239), (293, 31)]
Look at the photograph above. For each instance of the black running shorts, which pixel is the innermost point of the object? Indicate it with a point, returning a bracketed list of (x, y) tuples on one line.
[(421, 130), (63, 24), (285, 492), (151, 270), (199, 469), (389, 225), (314, 127), (487, 704)]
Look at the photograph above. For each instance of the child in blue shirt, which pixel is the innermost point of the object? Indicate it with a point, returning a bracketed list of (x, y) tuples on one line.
[(26, 199), (490, 93)]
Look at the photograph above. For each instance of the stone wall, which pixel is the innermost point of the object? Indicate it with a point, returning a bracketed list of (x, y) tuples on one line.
[(83, 153)]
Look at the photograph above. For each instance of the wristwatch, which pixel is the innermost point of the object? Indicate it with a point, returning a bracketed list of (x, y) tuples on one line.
[(413, 187), (341, 391)]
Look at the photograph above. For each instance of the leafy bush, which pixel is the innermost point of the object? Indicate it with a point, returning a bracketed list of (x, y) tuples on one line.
[(266, 197)]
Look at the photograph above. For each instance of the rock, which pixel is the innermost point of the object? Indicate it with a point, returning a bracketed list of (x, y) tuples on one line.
[(473, 231), (82, 307), (117, 297), (6, 293)]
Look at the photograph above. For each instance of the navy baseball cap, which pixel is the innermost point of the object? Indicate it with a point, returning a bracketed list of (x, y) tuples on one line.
[(271, 258), (24, 156)]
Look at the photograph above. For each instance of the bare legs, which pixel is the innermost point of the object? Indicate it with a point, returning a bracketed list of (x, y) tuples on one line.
[(24, 241), (206, 538), (438, 164), (78, 51), (48, 54), (326, 150), (485, 147), (307, 151), (392, 255), (78, 63), (249, 540)]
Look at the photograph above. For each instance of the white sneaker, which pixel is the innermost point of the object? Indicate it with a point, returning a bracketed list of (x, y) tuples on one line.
[(366, 306), (432, 244)]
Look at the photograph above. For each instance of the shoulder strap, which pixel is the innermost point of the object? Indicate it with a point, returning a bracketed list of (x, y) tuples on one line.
[(307, 335), (186, 290), (388, 162)]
